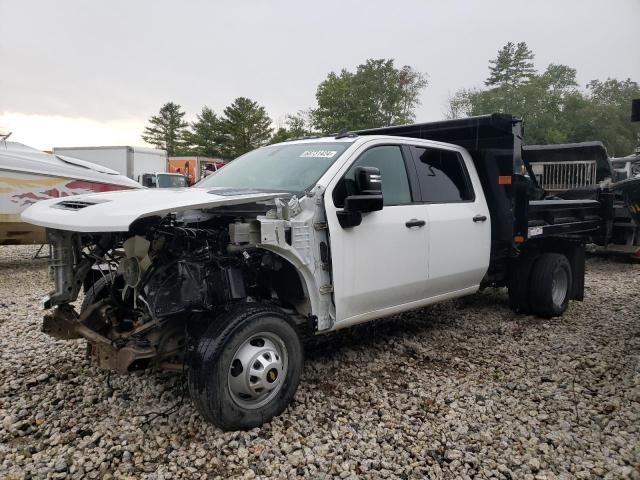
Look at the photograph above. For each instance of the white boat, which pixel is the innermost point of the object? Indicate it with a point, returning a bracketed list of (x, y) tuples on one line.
[(28, 175)]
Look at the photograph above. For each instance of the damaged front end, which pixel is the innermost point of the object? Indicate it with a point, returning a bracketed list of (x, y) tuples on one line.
[(152, 289), (65, 323)]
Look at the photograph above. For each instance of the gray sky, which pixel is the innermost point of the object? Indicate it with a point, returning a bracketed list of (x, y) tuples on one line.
[(89, 73)]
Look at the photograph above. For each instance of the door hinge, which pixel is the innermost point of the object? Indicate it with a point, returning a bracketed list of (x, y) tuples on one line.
[(320, 226), (326, 289)]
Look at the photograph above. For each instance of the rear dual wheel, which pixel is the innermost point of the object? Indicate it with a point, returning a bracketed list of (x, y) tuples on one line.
[(551, 284), (541, 285)]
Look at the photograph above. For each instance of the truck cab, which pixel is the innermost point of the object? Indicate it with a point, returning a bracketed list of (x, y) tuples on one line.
[(416, 249)]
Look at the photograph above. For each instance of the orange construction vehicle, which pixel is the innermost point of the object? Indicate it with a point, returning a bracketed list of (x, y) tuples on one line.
[(194, 168)]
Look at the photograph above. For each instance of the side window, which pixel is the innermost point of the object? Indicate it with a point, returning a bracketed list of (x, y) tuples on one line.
[(395, 183), (443, 176), (148, 181)]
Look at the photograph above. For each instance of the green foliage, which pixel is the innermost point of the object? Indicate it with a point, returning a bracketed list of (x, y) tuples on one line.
[(295, 126), (281, 135), (166, 130), (377, 94), (245, 127), (205, 136), (513, 66), (606, 115), (555, 110)]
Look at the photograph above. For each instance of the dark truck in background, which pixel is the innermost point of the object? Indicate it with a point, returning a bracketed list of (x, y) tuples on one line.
[(585, 171)]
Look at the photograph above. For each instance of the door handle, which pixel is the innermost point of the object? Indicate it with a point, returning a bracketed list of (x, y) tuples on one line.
[(479, 218), (414, 222)]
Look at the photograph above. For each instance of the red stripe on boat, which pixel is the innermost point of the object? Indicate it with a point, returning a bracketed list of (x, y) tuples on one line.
[(94, 186)]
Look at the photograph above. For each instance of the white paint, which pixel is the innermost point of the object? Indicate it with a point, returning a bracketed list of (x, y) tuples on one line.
[(378, 268), (28, 176), (381, 265), (126, 160), (118, 210), (459, 248), (403, 307), (16, 157)]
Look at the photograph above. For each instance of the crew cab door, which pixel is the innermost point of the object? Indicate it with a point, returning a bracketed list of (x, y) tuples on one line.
[(381, 263), (459, 222)]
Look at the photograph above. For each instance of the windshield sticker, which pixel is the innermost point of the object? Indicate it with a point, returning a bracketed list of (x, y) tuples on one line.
[(318, 153)]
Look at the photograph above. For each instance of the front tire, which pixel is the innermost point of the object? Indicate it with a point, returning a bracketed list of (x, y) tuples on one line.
[(101, 289), (551, 284), (246, 367)]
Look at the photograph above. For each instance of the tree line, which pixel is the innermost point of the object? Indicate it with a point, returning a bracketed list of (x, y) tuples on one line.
[(244, 125), (555, 109), (377, 94)]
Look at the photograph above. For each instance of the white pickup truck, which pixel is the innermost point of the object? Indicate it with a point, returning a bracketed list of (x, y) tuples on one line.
[(306, 237)]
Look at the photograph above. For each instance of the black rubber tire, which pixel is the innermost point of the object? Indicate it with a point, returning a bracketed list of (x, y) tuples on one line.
[(541, 285), (99, 290), (211, 361), (519, 281)]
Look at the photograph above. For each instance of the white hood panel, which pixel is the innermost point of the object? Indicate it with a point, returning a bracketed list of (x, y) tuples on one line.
[(116, 211)]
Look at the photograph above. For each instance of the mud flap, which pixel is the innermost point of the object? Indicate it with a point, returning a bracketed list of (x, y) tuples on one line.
[(576, 258), (518, 286)]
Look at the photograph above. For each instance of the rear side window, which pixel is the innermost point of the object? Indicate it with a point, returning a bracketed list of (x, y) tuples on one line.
[(149, 181), (395, 183), (443, 176)]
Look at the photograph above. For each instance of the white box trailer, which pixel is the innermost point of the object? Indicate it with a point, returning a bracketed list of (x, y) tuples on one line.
[(130, 161)]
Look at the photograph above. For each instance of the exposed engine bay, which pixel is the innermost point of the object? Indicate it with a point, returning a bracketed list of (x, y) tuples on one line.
[(150, 291)]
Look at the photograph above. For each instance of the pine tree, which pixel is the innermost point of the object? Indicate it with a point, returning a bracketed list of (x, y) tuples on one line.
[(205, 136), (555, 109), (245, 126), (166, 130), (512, 67), (523, 68)]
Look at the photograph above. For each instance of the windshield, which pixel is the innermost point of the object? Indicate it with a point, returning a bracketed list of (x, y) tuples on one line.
[(171, 181), (292, 168)]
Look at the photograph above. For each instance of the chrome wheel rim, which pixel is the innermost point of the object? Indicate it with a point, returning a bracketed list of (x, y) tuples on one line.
[(559, 286), (257, 370)]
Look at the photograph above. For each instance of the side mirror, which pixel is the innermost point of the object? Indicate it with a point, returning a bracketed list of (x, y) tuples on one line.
[(368, 199), (368, 180)]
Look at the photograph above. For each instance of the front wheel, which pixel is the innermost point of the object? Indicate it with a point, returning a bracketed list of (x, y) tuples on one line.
[(246, 368)]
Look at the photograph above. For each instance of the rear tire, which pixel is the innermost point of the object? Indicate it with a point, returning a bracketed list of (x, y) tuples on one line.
[(550, 285), (246, 367)]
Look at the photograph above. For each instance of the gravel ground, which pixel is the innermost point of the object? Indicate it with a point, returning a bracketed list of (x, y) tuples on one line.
[(461, 390)]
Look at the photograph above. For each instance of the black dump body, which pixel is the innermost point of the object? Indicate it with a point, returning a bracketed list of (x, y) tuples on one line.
[(519, 211)]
